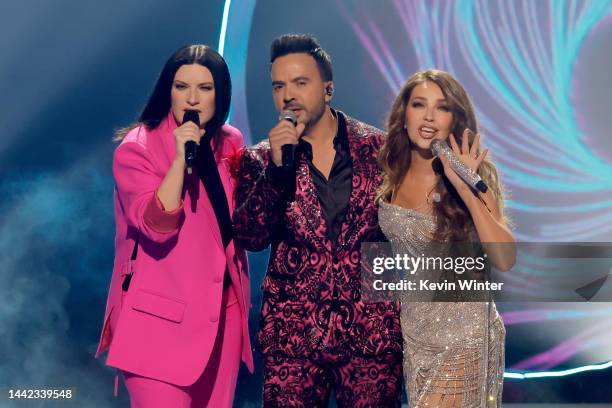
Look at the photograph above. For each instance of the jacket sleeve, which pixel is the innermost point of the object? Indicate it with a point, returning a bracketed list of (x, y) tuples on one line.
[(259, 200), (137, 181)]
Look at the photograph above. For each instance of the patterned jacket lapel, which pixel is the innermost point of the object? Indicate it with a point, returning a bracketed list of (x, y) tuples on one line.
[(306, 209), (364, 182)]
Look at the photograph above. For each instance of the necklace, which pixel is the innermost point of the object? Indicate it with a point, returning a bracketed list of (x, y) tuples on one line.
[(435, 197), (430, 198)]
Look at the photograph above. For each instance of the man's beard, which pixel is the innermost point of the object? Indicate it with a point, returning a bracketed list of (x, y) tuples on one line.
[(317, 114)]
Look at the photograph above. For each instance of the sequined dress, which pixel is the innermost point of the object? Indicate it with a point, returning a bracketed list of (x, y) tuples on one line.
[(453, 353)]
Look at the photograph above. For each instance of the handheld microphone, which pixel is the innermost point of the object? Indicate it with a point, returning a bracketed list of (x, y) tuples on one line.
[(441, 148), (288, 150), (191, 147)]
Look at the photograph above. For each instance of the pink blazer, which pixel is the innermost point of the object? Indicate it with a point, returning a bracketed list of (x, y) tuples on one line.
[(165, 326)]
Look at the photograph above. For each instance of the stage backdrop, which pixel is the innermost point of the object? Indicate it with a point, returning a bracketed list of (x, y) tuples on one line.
[(73, 72)]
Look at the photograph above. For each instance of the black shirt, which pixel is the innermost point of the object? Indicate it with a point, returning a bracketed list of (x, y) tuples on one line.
[(333, 193)]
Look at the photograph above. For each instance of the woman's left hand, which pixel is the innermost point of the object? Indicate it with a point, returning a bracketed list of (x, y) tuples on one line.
[(469, 155)]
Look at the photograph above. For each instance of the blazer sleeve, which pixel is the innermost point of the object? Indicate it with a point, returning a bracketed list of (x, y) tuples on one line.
[(259, 202), (137, 181)]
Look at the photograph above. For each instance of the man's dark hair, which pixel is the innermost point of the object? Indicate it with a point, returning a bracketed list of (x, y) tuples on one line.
[(302, 43)]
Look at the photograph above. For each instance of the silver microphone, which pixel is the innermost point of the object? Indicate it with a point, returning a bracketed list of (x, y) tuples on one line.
[(288, 150), (441, 148), (289, 115)]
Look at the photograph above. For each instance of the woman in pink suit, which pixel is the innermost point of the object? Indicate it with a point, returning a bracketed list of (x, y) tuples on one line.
[(177, 310)]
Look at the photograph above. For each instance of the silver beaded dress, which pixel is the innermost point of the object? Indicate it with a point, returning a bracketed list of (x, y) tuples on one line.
[(453, 351)]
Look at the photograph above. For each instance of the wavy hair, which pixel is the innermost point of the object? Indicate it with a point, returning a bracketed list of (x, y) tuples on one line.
[(454, 222)]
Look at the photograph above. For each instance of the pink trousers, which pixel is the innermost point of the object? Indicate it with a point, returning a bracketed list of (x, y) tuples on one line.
[(216, 385)]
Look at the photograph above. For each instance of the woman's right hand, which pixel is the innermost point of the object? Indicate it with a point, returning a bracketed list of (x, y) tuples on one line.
[(171, 187), (186, 132)]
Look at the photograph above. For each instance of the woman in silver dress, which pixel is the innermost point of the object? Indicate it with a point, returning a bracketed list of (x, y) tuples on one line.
[(453, 351)]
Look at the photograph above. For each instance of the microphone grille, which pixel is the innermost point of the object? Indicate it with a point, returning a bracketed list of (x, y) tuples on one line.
[(289, 115), (191, 116), (437, 147)]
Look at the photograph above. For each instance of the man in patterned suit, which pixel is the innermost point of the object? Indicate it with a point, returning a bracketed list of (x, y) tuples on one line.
[(316, 334)]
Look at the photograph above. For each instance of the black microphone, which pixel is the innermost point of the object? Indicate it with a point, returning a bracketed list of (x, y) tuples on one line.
[(441, 148), (191, 147), (288, 150)]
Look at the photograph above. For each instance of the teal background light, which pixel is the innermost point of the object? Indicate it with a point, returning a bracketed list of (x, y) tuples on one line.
[(518, 61)]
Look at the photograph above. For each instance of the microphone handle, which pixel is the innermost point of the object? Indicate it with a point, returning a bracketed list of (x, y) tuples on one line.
[(468, 175), (190, 153), (288, 156)]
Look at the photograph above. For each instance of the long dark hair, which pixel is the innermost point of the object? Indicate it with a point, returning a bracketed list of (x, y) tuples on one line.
[(454, 222), (158, 105)]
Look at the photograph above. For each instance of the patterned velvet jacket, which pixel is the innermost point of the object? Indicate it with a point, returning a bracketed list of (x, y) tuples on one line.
[(311, 292)]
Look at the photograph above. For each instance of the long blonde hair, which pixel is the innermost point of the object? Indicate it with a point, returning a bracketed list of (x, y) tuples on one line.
[(453, 219)]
